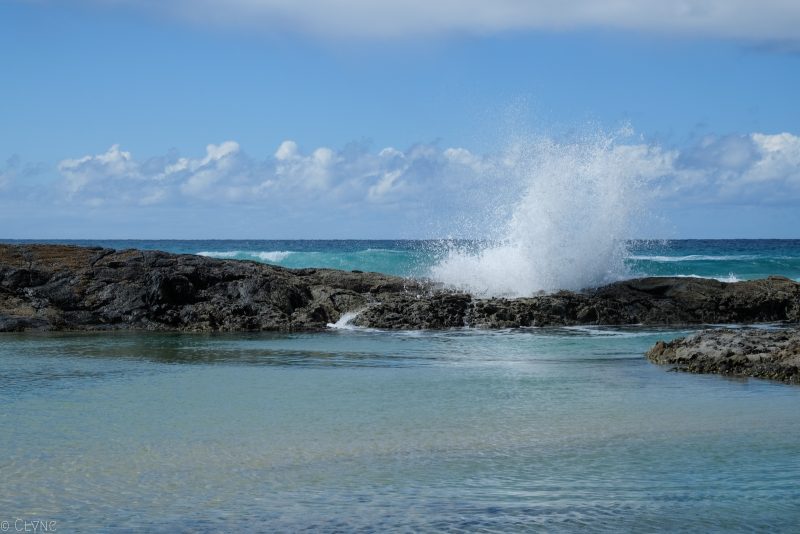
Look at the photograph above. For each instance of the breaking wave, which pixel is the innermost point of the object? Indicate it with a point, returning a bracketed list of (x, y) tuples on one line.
[(577, 206), (273, 256)]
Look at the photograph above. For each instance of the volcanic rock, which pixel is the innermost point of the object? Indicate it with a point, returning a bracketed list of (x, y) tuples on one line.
[(59, 287)]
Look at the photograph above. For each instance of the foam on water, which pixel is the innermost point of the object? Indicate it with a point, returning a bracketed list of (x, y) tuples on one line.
[(270, 256), (274, 256), (568, 227), (227, 254), (730, 278), (345, 321), (693, 257)]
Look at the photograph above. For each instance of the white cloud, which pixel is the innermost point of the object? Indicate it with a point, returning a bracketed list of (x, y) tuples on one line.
[(780, 158), (388, 183), (765, 20), (225, 173), (309, 172), (462, 156), (221, 163), (287, 151), (422, 190), (112, 164), (740, 169), (755, 169)]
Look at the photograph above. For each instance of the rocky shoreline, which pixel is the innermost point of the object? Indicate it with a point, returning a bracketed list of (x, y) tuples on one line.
[(59, 287), (772, 354)]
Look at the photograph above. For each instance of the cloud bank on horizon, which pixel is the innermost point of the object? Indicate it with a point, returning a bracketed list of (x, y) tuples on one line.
[(742, 169), (424, 182), (767, 20)]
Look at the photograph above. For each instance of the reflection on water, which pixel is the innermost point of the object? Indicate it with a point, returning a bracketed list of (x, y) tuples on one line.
[(555, 429)]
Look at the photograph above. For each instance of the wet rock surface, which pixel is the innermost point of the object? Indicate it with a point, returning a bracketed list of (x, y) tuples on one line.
[(648, 301), (75, 288), (773, 354), (57, 287)]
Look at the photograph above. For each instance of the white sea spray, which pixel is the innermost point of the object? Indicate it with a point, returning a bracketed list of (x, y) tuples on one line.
[(567, 229)]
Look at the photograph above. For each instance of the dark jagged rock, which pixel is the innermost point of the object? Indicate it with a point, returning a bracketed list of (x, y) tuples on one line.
[(650, 301), (65, 287), (60, 287), (741, 352)]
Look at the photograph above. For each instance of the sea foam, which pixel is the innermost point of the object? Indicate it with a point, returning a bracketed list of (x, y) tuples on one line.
[(345, 322), (567, 229), (692, 257), (274, 256), (227, 254), (271, 256)]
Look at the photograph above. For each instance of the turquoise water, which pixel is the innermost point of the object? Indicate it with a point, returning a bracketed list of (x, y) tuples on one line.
[(564, 429), (724, 259), (736, 259), (541, 429)]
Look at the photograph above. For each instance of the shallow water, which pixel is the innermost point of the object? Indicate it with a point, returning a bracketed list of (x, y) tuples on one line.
[(548, 429)]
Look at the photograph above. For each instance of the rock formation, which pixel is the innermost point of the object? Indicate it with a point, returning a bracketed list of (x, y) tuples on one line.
[(56, 287), (773, 354)]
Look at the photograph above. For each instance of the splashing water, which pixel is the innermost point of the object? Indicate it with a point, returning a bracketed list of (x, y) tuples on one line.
[(345, 321), (576, 205)]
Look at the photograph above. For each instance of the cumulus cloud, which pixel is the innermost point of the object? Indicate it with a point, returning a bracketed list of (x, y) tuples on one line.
[(424, 189), (737, 169), (740, 169), (765, 20), (227, 174), (114, 164)]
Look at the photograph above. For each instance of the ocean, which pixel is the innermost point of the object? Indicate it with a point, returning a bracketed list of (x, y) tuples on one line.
[(724, 259), (539, 429)]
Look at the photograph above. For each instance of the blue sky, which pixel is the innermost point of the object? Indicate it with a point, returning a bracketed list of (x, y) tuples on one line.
[(262, 119)]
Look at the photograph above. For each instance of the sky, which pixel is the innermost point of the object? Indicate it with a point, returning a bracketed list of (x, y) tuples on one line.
[(322, 119)]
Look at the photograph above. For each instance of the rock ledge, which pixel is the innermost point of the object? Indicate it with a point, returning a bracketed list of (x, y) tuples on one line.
[(773, 354), (57, 287)]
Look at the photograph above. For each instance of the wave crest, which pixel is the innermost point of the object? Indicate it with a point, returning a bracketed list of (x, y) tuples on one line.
[(270, 256)]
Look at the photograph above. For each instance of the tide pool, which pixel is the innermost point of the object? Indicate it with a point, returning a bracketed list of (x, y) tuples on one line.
[(539, 429)]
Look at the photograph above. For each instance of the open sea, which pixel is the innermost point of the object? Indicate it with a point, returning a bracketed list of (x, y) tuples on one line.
[(556, 429), (725, 259)]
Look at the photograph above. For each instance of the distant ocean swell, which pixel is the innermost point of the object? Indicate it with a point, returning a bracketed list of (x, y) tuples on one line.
[(361, 259), (270, 256), (385, 260), (727, 260), (702, 257), (674, 259), (692, 257)]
